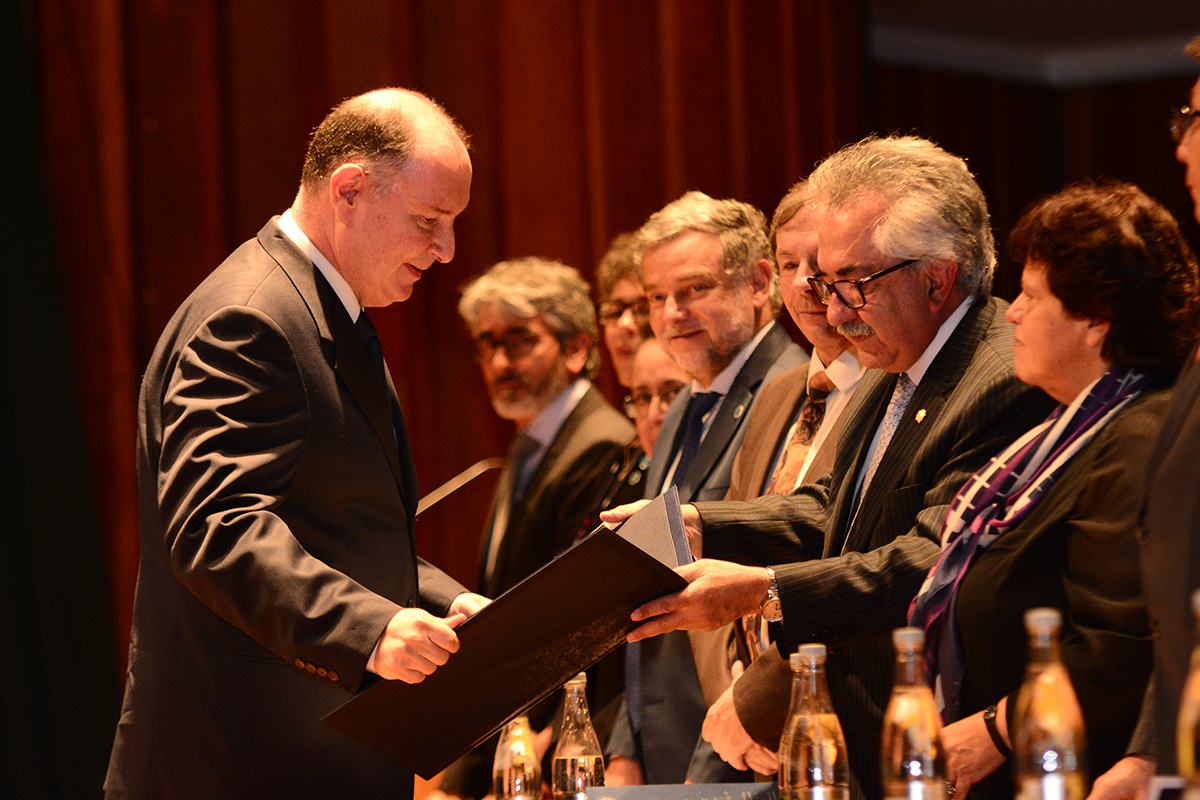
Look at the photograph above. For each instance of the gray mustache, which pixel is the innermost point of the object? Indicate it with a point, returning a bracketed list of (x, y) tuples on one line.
[(855, 327)]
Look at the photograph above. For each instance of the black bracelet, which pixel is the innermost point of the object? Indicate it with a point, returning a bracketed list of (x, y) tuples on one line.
[(989, 721)]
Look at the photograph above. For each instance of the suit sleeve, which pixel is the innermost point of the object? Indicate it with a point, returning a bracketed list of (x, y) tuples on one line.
[(236, 420), (856, 596)]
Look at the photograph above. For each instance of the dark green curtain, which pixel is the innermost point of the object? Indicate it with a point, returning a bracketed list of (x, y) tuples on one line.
[(59, 691)]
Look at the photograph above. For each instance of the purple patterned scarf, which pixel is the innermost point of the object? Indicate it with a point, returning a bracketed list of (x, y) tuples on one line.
[(995, 500)]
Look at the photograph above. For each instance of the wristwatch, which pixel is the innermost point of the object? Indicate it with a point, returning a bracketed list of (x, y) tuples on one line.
[(772, 608)]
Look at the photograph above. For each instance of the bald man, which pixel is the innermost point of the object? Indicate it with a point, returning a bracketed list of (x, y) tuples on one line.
[(277, 487)]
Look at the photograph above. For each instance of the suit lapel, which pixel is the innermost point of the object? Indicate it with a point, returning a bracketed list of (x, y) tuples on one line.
[(347, 355), (927, 402), (733, 410)]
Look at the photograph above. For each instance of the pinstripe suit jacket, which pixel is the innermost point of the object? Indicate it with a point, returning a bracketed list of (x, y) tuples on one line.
[(848, 582)]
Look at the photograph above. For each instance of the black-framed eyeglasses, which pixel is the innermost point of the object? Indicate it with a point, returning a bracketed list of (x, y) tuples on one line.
[(849, 290), (515, 345), (1180, 121), (610, 311), (638, 404)]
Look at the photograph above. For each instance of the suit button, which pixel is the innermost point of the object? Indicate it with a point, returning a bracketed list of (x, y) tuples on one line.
[(299, 662), (333, 676), (322, 672), (412, 602), (312, 668)]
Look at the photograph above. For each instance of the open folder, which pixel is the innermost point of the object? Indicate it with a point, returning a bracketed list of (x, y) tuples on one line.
[(526, 644)]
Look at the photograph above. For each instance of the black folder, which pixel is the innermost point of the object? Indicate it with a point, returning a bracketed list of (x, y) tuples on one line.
[(525, 645)]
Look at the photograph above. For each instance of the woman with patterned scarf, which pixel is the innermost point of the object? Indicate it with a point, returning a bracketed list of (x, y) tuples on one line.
[(1107, 314)]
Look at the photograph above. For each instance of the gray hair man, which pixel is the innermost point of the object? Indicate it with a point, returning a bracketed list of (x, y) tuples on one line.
[(534, 328), (904, 263)]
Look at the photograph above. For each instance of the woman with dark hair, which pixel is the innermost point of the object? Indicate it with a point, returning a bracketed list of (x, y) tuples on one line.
[(1106, 317)]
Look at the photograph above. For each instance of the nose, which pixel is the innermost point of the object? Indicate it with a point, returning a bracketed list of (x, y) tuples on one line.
[(837, 312), (1013, 314), (443, 245)]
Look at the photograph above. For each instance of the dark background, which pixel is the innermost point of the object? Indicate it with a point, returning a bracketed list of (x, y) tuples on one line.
[(146, 139)]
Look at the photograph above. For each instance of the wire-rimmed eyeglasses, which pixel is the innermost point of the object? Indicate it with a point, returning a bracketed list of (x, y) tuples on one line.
[(638, 404), (1180, 122), (849, 290)]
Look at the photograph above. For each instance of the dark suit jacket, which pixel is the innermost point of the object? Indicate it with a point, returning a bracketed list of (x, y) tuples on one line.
[(276, 542), (1170, 563), (545, 520), (673, 705), (849, 582), (542, 524), (1076, 551)]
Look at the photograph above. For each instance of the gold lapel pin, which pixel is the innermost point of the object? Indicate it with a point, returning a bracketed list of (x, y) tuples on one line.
[(920, 415)]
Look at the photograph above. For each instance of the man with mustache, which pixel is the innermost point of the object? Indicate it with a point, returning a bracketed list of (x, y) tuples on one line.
[(534, 328), (905, 257), (713, 297)]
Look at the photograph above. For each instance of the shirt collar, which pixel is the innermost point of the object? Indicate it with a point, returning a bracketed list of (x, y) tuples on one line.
[(291, 230), (724, 380), (545, 424), (843, 373), (918, 370)]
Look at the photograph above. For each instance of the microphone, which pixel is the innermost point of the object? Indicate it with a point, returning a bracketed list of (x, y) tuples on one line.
[(459, 481)]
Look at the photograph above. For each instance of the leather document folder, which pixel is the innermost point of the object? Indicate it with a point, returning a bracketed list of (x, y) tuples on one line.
[(525, 645)]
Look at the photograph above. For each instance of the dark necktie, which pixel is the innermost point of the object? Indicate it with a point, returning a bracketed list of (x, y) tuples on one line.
[(693, 431), (508, 493), (812, 412), (367, 331)]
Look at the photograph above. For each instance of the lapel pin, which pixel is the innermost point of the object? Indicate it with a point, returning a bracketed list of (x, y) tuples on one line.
[(920, 415), (737, 412)]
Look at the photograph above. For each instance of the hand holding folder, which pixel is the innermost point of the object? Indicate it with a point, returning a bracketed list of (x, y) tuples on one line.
[(526, 644)]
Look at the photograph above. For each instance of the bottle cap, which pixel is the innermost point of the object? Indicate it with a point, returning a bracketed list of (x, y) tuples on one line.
[(807, 654), (1043, 620), (908, 638), (580, 679)]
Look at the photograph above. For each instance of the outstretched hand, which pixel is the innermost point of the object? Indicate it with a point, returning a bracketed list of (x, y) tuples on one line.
[(717, 592)]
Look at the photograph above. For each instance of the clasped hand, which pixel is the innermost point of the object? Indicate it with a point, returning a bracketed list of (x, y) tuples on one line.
[(415, 643)]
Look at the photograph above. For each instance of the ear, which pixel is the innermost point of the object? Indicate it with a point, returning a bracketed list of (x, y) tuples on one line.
[(347, 185), (942, 274), (760, 282), (1096, 333), (576, 351)]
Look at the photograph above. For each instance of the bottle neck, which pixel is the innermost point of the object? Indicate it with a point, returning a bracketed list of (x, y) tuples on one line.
[(910, 668), (1043, 651), (810, 690)]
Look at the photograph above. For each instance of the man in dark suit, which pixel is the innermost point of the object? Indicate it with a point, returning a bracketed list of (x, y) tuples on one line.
[(536, 341), (277, 487), (713, 298), (905, 259)]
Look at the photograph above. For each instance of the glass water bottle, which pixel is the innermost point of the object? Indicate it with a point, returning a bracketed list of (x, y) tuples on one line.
[(516, 770), (912, 759), (1049, 742), (578, 762), (813, 763), (1188, 725)]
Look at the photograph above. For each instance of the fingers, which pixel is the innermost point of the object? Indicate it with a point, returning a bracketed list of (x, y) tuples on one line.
[(415, 644), (469, 604), (617, 515), (656, 627), (762, 760)]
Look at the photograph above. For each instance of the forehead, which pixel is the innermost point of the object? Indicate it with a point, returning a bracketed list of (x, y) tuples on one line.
[(625, 289), (652, 366), (844, 238), (437, 178), (494, 320), (689, 255), (798, 233)]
